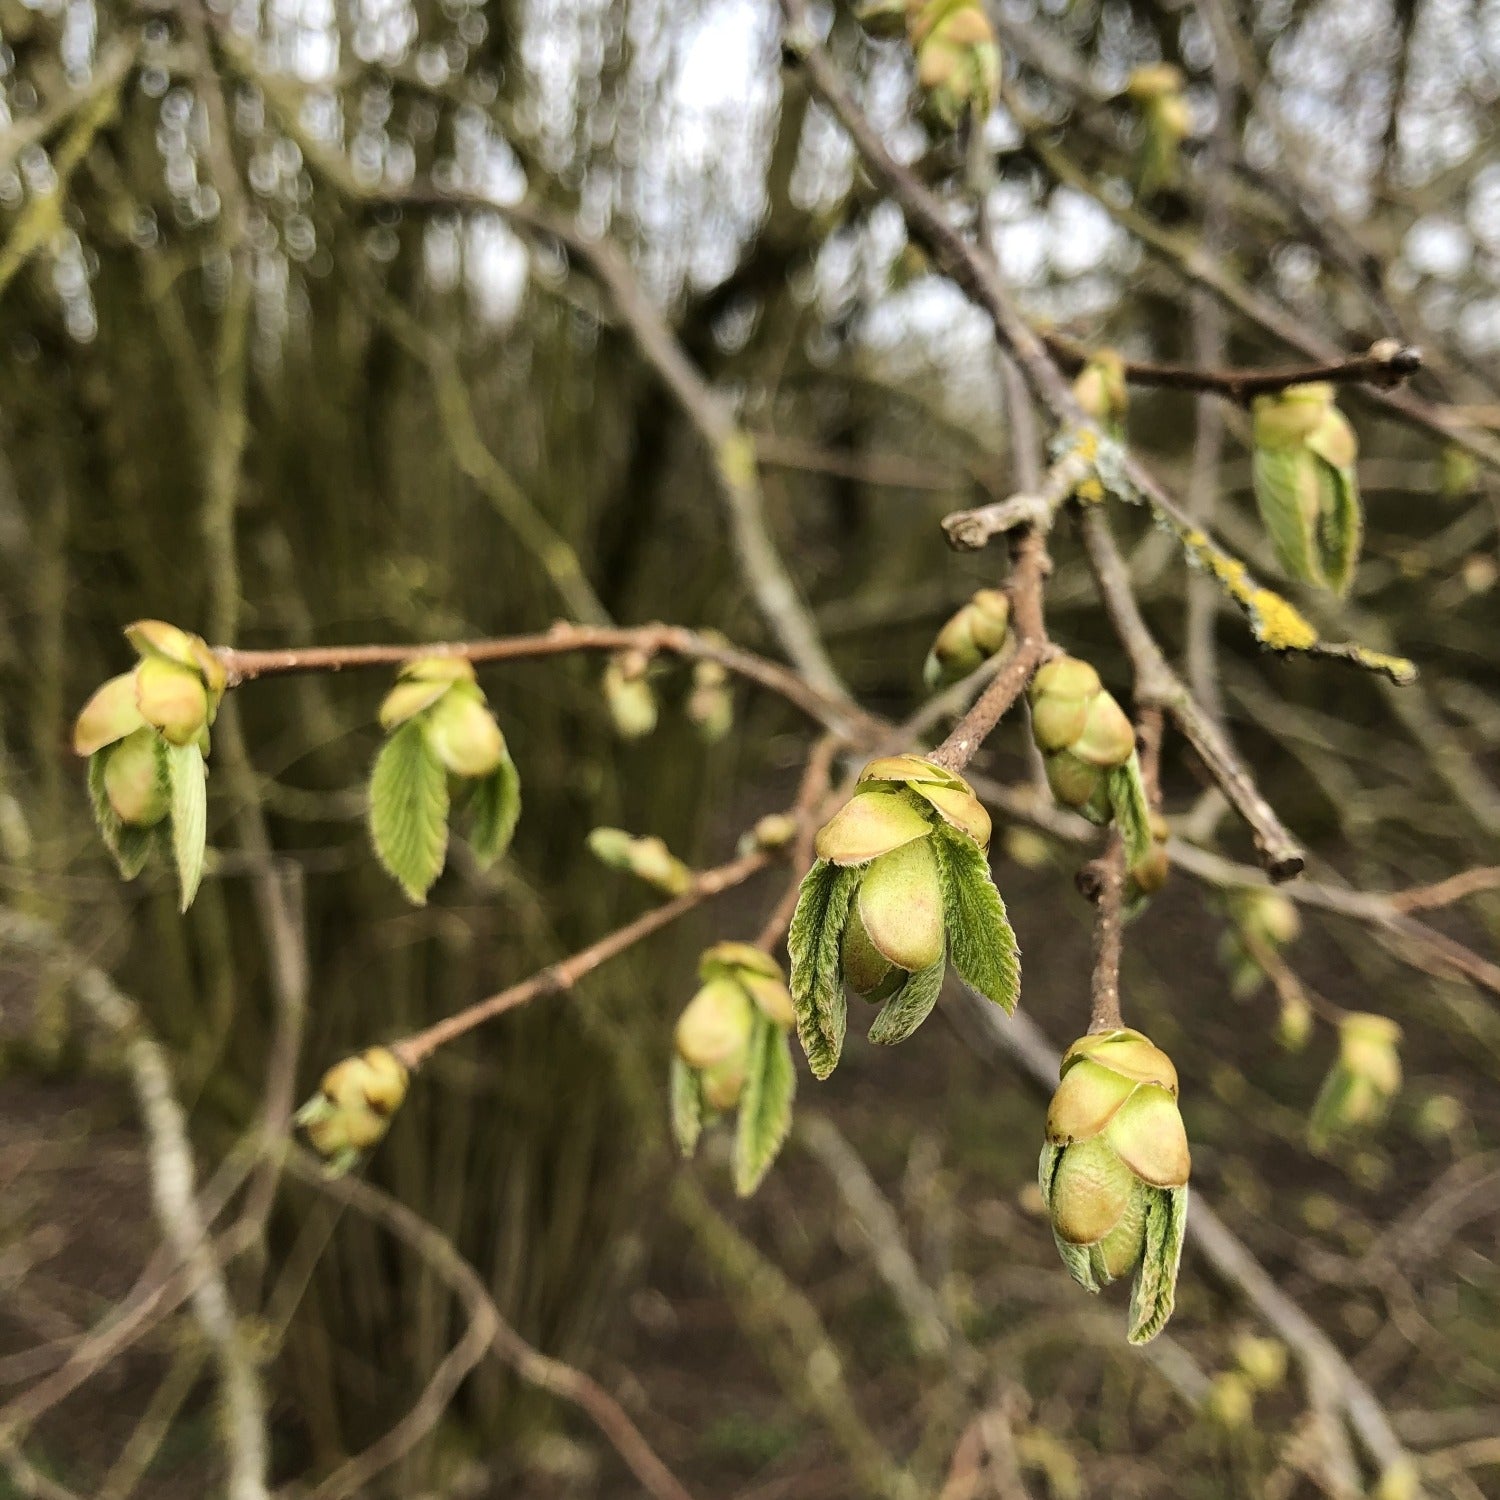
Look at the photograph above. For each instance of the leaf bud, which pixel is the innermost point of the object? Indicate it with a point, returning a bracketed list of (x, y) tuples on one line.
[(646, 858), (1262, 1361), (958, 60), (108, 716), (710, 705), (1100, 389), (716, 1023), (134, 780), (976, 632), (352, 1109), (463, 733), (1231, 1402), (1115, 1168), (628, 694), (1364, 1079), (173, 698)]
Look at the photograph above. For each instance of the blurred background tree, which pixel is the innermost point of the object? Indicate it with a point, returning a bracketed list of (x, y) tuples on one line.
[(307, 340)]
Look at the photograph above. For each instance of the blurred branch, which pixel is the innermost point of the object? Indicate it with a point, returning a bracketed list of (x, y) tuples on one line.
[(173, 1178), (438, 1253)]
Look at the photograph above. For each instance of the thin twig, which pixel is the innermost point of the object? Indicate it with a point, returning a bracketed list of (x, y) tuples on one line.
[(541, 1370), (833, 710), (560, 977)]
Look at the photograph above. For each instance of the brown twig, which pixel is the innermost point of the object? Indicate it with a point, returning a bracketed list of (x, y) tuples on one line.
[(1102, 881), (1386, 364), (557, 978), (1445, 892), (831, 709)]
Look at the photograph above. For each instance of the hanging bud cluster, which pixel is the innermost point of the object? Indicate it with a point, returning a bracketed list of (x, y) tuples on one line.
[(1099, 389), (647, 858), (710, 704), (628, 694), (352, 1109), (901, 884), (1114, 1171), (733, 1052), (1166, 121), (1306, 486), (958, 58), (439, 728), (975, 633), (146, 735), (1088, 750), (1365, 1078)]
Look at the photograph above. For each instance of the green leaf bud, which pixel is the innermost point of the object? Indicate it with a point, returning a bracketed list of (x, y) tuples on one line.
[(871, 823), (1231, 1402), (1100, 389), (971, 636), (108, 716), (171, 697), (1364, 1079), (354, 1104), (133, 780), (1263, 1361), (463, 733), (716, 1024), (629, 695), (901, 906)]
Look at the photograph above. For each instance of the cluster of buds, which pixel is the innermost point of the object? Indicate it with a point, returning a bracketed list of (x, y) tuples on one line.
[(1166, 121), (145, 734), (1082, 733), (646, 857), (439, 726), (442, 695), (1306, 486), (1099, 389), (629, 695), (1114, 1171), (901, 879), (352, 1109), (1259, 1365), (710, 704), (1364, 1079), (976, 632), (732, 1053), (958, 58)]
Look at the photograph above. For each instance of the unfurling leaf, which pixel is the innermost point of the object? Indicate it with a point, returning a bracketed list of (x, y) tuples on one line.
[(187, 777), (129, 844), (1132, 812), (765, 1114), (981, 941), (494, 805), (909, 1006), (813, 947), (687, 1106), (1154, 1292), (1306, 486), (409, 810)]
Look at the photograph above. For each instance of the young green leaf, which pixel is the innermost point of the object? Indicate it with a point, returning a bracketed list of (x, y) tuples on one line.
[(128, 845), (687, 1106), (813, 947), (1282, 492), (187, 777), (1154, 1292), (409, 810), (981, 942), (494, 805), (1341, 527), (909, 1006), (1132, 812), (765, 1114)]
